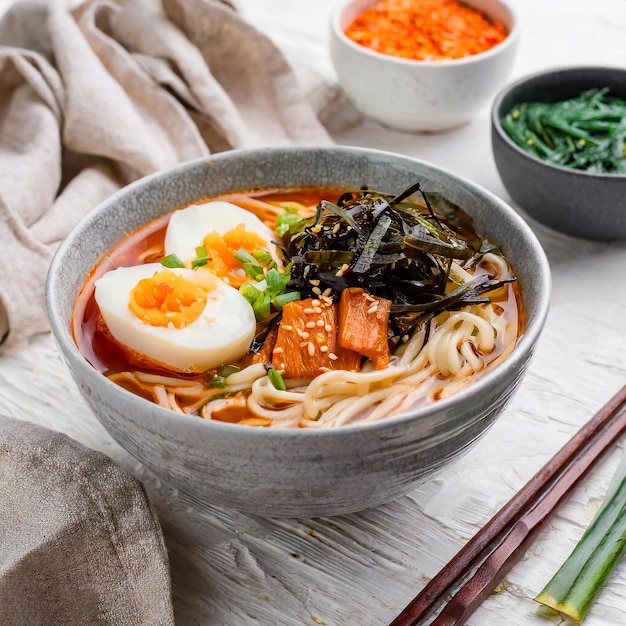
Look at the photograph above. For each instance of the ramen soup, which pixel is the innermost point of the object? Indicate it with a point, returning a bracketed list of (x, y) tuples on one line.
[(300, 308)]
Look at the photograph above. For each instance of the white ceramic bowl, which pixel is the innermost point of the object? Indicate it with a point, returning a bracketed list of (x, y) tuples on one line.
[(416, 96), (294, 472)]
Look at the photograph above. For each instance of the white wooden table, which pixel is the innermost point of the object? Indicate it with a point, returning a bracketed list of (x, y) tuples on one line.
[(230, 568)]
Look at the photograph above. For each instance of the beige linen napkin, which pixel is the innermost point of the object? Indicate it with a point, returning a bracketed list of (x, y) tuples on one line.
[(94, 97), (80, 543)]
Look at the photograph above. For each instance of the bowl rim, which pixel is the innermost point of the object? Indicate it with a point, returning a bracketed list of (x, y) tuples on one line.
[(510, 40), (529, 78), (63, 336)]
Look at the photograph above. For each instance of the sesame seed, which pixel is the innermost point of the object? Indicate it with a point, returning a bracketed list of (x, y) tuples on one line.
[(320, 323), (339, 273), (311, 349), (305, 335), (328, 328), (336, 228), (317, 309), (302, 344), (315, 303), (372, 309), (368, 297), (310, 325), (325, 369), (405, 338), (282, 366), (298, 332), (332, 356), (278, 350), (324, 348), (344, 267), (316, 290), (315, 282), (308, 311), (287, 327), (328, 300), (327, 292)]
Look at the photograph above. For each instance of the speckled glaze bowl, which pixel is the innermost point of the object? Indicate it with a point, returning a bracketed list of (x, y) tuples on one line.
[(295, 472), (580, 204), (420, 96)]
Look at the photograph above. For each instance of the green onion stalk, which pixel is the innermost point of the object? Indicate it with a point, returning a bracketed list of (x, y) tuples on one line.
[(577, 583)]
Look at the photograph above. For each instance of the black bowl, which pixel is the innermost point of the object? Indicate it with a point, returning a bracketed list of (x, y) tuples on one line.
[(581, 204)]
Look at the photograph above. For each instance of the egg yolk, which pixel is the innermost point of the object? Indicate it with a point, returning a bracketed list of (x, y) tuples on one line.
[(221, 252), (167, 299)]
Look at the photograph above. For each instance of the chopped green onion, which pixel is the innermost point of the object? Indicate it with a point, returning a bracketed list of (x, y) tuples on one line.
[(243, 256), (262, 307), (284, 298), (201, 251), (285, 222), (199, 262), (218, 381), (276, 378), (262, 256), (274, 283), (172, 260), (226, 370), (574, 587), (249, 292), (254, 271)]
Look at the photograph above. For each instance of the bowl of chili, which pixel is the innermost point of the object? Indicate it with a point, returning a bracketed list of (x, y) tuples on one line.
[(558, 140), (422, 65)]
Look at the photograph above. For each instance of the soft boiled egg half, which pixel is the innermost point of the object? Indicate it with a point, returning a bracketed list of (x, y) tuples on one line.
[(184, 320), (220, 229)]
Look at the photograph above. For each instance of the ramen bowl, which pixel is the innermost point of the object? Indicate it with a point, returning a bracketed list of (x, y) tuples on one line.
[(294, 471), (579, 203), (421, 95)]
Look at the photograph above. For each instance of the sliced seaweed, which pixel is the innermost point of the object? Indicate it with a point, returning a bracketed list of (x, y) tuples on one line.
[(397, 247)]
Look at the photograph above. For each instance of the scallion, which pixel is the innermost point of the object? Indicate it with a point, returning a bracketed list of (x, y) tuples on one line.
[(276, 378), (575, 586), (226, 370), (262, 256), (285, 222), (172, 260), (284, 298)]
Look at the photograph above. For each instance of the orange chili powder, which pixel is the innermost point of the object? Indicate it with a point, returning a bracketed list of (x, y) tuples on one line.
[(425, 30)]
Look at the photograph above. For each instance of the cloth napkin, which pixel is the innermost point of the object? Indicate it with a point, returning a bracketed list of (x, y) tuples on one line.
[(96, 96), (93, 97), (80, 542)]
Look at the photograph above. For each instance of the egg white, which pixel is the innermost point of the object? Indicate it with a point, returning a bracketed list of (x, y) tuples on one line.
[(188, 227), (221, 334)]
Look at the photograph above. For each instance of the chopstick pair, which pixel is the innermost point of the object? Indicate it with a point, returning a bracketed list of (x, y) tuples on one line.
[(494, 549)]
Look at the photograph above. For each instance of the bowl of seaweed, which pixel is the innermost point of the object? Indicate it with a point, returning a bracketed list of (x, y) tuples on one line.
[(558, 143)]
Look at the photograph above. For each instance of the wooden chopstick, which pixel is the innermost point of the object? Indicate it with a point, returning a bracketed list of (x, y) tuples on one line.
[(503, 540)]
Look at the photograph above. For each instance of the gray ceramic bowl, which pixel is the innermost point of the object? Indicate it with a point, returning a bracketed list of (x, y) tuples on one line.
[(296, 472), (592, 206)]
